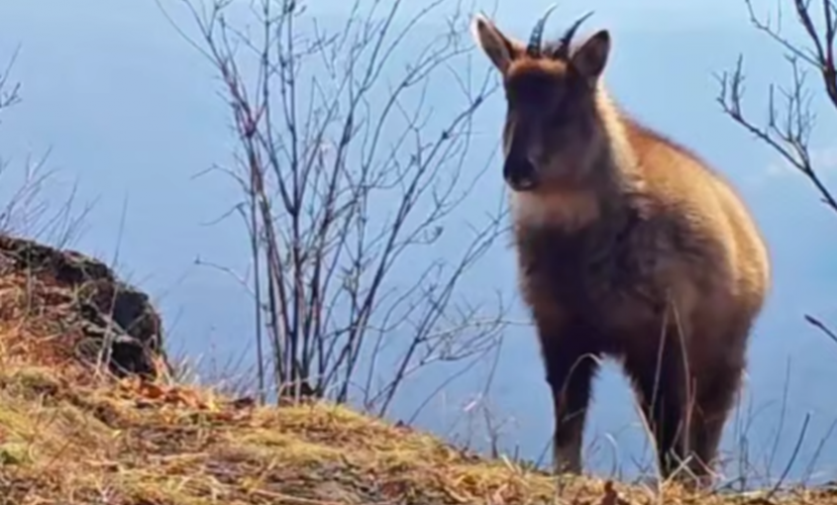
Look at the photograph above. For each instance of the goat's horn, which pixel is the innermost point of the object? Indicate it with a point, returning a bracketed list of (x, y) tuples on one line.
[(563, 50), (534, 47)]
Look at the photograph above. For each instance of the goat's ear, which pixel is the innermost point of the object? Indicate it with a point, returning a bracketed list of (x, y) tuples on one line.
[(499, 49), (591, 57)]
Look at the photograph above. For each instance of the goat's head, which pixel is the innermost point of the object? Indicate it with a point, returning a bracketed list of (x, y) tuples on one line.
[(553, 133)]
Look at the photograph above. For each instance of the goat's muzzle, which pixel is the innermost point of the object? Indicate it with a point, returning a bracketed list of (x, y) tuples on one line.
[(520, 174)]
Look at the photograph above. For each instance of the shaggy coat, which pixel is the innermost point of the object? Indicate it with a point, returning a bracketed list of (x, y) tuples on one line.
[(628, 246)]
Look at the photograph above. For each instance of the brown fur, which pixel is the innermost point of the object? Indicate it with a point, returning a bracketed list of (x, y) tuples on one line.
[(628, 246)]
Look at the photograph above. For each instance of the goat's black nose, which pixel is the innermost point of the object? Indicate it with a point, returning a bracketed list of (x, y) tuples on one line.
[(520, 174)]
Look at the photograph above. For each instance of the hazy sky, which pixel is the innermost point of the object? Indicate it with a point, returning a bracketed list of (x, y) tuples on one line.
[(131, 114)]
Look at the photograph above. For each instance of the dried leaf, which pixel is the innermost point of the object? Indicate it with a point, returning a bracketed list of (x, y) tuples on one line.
[(243, 402), (152, 391), (393, 489), (611, 497)]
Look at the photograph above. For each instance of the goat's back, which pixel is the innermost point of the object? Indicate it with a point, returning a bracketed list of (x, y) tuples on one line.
[(737, 264)]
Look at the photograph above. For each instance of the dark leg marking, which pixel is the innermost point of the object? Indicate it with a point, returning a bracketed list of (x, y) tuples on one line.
[(660, 385), (571, 366)]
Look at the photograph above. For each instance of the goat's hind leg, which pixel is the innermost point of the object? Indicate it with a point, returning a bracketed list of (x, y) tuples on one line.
[(661, 392), (716, 390)]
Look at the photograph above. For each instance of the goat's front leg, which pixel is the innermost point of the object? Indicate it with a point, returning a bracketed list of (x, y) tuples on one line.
[(570, 368)]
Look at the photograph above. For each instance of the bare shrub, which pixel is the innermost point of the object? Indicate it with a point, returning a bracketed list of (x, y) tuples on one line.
[(354, 173), (25, 211)]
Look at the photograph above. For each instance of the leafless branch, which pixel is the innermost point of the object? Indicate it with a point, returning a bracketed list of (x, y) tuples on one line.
[(9, 92), (822, 327), (790, 117), (789, 125), (24, 211), (354, 173)]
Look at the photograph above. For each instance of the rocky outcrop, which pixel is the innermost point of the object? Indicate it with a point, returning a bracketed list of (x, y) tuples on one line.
[(110, 321)]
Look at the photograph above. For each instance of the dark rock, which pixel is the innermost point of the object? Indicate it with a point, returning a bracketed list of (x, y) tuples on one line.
[(108, 310)]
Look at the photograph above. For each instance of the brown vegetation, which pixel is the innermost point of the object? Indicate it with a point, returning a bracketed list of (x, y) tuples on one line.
[(71, 436)]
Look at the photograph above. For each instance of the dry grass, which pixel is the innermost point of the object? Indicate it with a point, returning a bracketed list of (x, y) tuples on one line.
[(70, 437)]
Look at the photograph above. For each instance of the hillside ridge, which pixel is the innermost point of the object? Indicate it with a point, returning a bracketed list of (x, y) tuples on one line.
[(70, 434)]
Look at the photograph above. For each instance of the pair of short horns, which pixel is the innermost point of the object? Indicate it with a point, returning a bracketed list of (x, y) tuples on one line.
[(563, 50)]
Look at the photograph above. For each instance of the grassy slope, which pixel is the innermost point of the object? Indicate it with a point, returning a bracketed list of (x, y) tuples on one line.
[(68, 437)]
